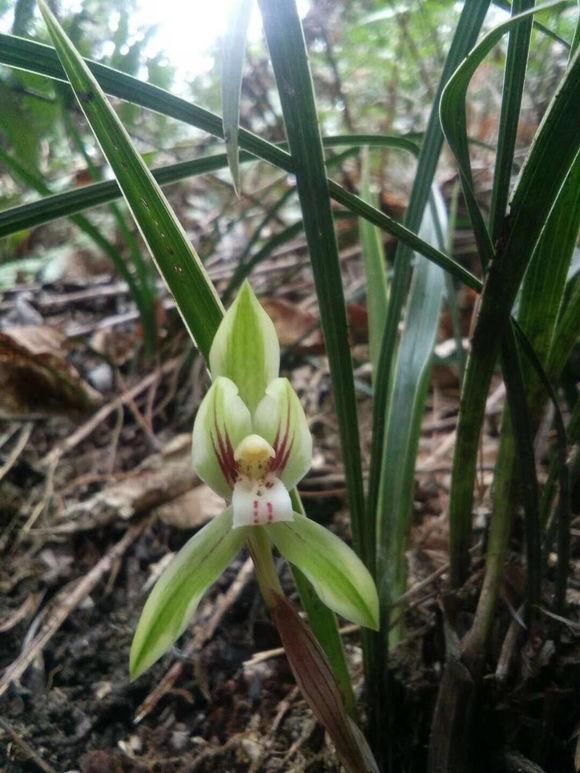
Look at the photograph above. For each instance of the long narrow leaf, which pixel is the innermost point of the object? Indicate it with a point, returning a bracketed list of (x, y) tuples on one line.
[(233, 51), (538, 308), (375, 269), (513, 86), (176, 259), (537, 25), (454, 122), (290, 62), (404, 415)]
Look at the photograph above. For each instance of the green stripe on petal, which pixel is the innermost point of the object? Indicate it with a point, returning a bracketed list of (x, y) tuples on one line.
[(174, 599), (339, 577), (280, 420), (245, 348), (222, 422)]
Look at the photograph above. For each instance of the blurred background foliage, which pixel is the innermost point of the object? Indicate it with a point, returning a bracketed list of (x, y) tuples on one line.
[(375, 64)]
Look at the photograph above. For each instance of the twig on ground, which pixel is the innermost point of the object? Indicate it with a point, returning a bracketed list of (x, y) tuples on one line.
[(66, 601), (137, 415), (41, 505), (26, 609), (32, 756), (282, 709), (212, 752), (276, 652), (448, 443), (88, 427), (19, 446), (308, 729)]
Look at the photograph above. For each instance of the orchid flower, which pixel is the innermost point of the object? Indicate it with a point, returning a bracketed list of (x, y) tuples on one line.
[(252, 445)]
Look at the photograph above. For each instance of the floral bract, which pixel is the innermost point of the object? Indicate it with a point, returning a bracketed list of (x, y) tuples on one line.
[(251, 444)]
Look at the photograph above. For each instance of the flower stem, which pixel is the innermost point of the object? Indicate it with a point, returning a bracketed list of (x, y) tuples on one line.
[(261, 552)]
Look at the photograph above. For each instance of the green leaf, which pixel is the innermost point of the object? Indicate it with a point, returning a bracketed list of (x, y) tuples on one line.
[(566, 334), (542, 295), (513, 87), (404, 414), (407, 237), (339, 577), (246, 348), (41, 59), (176, 595), (175, 257), (234, 49), (73, 201), (375, 269), (539, 304), (524, 446), (454, 123), (537, 25), (70, 202), (142, 293)]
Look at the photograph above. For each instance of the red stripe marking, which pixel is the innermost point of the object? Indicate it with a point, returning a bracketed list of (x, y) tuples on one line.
[(225, 456), (270, 512)]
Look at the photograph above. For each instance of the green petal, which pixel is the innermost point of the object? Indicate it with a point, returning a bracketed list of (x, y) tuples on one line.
[(280, 420), (221, 423), (174, 599), (339, 577), (246, 348)]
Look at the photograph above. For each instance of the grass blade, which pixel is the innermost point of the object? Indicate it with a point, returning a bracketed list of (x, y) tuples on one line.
[(537, 25), (404, 414), (37, 183), (234, 49), (454, 122), (513, 87), (175, 257), (410, 239), (289, 58), (78, 199), (375, 269), (524, 445)]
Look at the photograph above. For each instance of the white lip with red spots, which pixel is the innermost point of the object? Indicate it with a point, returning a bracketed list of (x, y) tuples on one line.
[(259, 496), (258, 502)]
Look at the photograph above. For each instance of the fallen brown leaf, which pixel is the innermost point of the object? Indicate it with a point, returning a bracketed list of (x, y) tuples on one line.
[(36, 379)]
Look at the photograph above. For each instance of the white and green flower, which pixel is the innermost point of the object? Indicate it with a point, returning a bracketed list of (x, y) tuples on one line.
[(251, 445)]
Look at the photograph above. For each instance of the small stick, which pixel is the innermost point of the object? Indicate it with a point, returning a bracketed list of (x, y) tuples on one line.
[(26, 748), (449, 441), (67, 600), (23, 438), (277, 652), (88, 427)]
